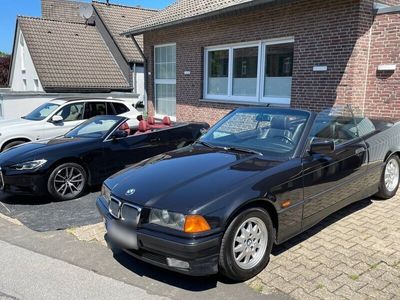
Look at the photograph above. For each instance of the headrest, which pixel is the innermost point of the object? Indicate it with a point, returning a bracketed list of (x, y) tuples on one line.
[(124, 126), (142, 126), (279, 122), (166, 121), (151, 120)]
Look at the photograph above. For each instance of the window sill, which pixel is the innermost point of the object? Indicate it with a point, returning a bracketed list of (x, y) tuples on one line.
[(244, 103)]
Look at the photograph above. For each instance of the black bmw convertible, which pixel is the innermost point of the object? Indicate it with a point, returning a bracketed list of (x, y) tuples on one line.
[(258, 177), (88, 154)]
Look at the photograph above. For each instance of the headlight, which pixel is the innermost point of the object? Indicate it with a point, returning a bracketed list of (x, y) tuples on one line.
[(29, 165), (106, 193), (167, 219), (188, 224)]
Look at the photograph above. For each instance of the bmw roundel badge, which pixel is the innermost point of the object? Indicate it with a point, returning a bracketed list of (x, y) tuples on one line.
[(130, 192)]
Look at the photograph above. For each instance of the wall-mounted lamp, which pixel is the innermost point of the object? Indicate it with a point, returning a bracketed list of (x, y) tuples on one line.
[(387, 68)]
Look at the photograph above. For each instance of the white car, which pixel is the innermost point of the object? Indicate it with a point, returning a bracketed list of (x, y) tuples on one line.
[(59, 116)]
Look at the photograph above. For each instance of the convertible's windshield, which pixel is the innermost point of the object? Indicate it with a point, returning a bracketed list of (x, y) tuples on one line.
[(268, 131), (97, 127), (42, 112)]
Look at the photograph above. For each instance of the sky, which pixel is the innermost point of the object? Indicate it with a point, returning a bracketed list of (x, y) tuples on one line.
[(10, 9)]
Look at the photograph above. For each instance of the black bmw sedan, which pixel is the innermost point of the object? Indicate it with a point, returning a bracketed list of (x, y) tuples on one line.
[(257, 178), (63, 167)]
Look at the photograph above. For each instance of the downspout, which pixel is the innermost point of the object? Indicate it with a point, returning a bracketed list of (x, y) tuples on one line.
[(134, 78), (145, 71), (367, 67)]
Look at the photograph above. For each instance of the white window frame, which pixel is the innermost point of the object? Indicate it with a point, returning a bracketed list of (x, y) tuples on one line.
[(259, 98), (162, 81)]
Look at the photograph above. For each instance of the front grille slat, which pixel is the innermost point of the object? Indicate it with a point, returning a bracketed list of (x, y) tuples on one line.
[(127, 212)]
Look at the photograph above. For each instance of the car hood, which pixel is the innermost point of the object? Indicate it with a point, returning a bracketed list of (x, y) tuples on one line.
[(37, 150), (185, 180), (8, 124)]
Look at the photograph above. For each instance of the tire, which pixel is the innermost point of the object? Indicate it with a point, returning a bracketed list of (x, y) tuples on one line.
[(61, 187), (231, 265), (390, 178), (13, 144)]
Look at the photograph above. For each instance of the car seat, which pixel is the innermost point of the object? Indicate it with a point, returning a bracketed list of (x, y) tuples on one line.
[(125, 127)]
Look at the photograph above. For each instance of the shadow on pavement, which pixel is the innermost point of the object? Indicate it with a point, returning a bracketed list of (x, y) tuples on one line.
[(337, 216), (45, 214)]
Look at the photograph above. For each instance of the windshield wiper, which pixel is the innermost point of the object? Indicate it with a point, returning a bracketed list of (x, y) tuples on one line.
[(246, 150), (206, 144)]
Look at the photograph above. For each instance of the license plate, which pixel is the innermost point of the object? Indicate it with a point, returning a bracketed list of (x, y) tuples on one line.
[(123, 236)]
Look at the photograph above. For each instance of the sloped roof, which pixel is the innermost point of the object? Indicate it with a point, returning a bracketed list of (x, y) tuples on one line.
[(118, 19), (62, 10), (70, 55), (187, 10)]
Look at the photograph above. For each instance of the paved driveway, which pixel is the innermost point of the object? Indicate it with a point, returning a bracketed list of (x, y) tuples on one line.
[(354, 254)]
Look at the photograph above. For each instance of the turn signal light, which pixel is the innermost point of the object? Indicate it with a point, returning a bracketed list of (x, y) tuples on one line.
[(196, 224)]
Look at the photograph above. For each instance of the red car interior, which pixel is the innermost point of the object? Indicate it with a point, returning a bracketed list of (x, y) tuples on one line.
[(125, 127), (150, 125)]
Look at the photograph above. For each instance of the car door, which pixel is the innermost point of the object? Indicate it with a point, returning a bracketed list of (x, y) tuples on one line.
[(332, 179), (72, 115)]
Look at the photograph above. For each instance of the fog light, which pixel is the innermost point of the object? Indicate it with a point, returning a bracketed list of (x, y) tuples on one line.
[(176, 263)]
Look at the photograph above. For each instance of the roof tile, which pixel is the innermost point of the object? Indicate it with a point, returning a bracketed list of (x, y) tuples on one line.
[(70, 55)]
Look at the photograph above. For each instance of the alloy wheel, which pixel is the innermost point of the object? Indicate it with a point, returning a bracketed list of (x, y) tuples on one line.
[(69, 181), (392, 175), (250, 243)]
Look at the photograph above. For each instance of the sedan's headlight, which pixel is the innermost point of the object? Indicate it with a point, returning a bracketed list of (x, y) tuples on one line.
[(106, 193), (188, 224), (29, 165)]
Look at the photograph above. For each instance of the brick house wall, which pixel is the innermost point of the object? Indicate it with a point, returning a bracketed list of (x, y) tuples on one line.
[(335, 33), (383, 88), (344, 35)]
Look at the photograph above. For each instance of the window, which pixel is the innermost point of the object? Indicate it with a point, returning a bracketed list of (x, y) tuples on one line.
[(36, 84), (24, 85), (120, 108), (335, 124), (22, 43), (42, 112), (259, 72), (71, 112), (93, 109), (165, 80)]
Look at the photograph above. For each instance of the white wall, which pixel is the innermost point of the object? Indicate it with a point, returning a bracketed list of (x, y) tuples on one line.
[(24, 77), (139, 82)]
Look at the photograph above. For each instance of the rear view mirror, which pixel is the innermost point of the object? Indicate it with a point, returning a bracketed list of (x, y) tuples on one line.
[(57, 119), (322, 146)]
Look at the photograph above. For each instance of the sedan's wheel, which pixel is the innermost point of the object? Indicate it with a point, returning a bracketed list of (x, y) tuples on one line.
[(390, 178), (67, 181), (12, 145), (246, 245)]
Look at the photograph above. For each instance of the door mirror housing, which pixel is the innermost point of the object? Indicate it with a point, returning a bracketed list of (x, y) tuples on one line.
[(322, 146), (119, 134), (57, 119)]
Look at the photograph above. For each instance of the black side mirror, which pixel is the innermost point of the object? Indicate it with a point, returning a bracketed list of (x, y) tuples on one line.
[(119, 134), (322, 146)]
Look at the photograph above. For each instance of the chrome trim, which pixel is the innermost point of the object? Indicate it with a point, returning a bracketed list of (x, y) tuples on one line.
[(119, 207), (1, 180), (139, 210)]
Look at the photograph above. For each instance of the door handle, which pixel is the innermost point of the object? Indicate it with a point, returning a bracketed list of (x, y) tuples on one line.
[(154, 140)]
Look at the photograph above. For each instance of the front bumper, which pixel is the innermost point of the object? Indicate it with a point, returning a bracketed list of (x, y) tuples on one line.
[(201, 254), (23, 184)]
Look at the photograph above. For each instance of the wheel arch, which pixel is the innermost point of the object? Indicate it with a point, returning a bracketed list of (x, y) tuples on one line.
[(390, 153), (265, 204), (72, 159), (15, 139)]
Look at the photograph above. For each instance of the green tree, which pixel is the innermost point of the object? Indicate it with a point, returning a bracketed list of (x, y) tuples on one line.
[(2, 54)]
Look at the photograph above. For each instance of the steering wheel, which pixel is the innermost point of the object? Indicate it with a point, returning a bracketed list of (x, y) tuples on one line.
[(285, 138)]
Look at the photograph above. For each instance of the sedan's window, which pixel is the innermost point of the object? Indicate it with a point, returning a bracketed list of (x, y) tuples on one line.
[(42, 112), (71, 112), (93, 109), (120, 108), (272, 132), (97, 127)]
